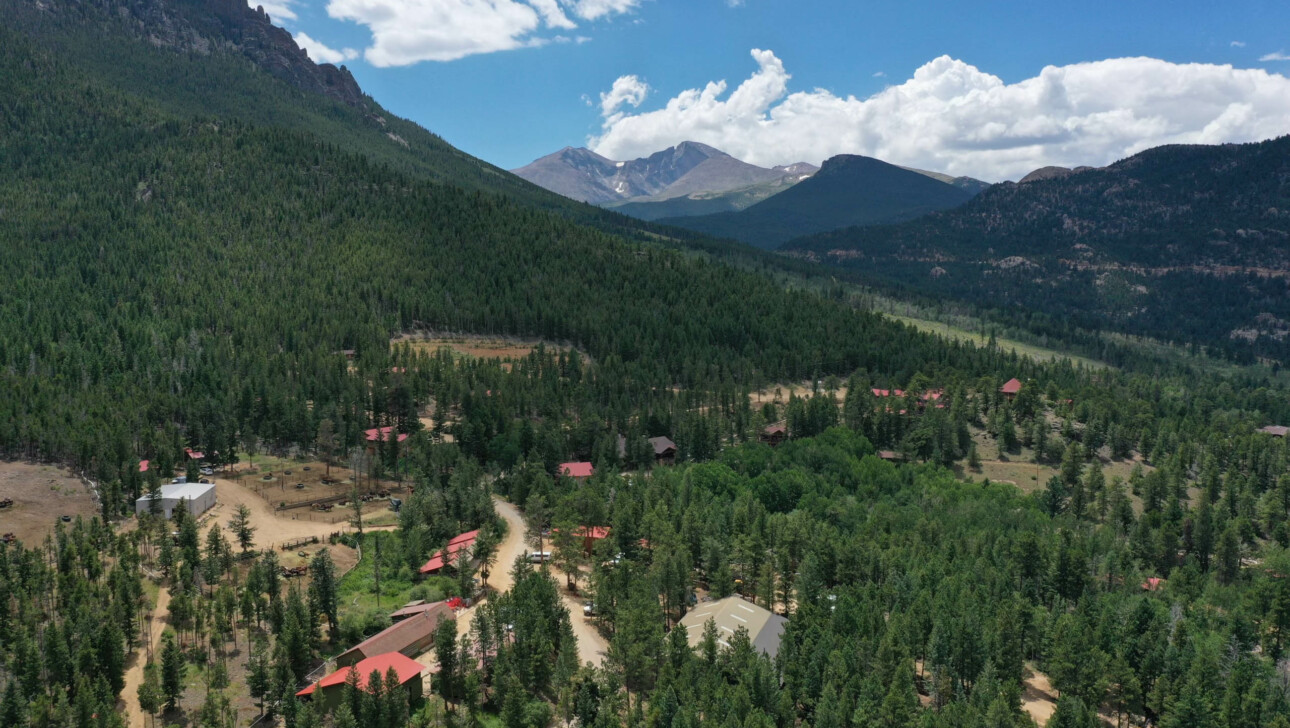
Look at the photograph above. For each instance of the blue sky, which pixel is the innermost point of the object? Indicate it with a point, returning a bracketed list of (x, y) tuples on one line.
[(517, 88)]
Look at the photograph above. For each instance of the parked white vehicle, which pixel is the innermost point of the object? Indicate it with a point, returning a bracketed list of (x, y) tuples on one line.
[(539, 557)]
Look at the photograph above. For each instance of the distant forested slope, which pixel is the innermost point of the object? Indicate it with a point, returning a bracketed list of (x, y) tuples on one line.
[(1133, 247)]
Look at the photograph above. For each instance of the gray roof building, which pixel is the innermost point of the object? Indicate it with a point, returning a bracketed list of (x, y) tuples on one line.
[(764, 628)]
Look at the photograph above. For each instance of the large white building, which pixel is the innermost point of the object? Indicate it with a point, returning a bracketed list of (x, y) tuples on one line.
[(199, 498)]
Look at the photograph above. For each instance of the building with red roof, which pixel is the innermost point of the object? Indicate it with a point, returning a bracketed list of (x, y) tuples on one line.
[(327, 691), (143, 466), (589, 535), (193, 454), (1152, 584), (577, 471), (1011, 388), (448, 556), (888, 392), (382, 434)]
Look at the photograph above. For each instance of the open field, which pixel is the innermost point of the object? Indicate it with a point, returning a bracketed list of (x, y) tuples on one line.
[(1019, 469), (957, 334), (41, 495)]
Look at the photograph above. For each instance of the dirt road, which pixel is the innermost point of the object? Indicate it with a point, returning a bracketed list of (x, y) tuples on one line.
[(135, 716), (591, 646), (511, 548)]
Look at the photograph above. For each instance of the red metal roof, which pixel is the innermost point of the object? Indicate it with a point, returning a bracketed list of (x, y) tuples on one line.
[(455, 546), (1152, 583), (1011, 387), (194, 454), (888, 392), (143, 466), (381, 434), (577, 470), (406, 667), (595, 532)]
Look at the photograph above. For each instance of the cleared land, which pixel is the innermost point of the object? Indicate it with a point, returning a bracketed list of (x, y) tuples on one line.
[(1018, 468), (477, 347), (1037, 353), (41, 494), (296, 484), (1039, 699)]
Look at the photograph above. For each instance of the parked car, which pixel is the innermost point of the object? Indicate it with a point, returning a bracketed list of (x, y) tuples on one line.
[(588, 609), (539, 557), (208, 471)]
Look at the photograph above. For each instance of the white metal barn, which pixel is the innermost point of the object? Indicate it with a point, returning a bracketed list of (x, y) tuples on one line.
[(200, 497)]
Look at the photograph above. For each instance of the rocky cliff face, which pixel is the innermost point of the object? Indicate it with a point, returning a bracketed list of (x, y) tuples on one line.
[(206, 26)]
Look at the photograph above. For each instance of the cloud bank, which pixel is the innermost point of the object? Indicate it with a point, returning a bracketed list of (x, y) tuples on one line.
[(410, 31), (320, 53), (952, 117)]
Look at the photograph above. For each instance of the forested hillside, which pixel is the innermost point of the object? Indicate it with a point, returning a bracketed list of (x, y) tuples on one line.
[(1131, 247), (847, 190), (161, 268)]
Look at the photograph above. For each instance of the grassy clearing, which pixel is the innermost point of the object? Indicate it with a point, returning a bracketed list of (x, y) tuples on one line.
[(954, 333), (358, 592)]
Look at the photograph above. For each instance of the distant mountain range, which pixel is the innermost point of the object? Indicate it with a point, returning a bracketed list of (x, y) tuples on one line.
[(687, 169), (1188, 243), (695, 186), (848, 190)]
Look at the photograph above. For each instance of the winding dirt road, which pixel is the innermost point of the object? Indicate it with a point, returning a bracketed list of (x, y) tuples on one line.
[(591, 646), (157, 620)]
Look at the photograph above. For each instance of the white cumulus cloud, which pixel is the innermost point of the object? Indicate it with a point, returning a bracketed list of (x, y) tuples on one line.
[(410, 31), (278, 10), (595, 9), (1278, 56), (952, 117), (627, 90), (320, 53)]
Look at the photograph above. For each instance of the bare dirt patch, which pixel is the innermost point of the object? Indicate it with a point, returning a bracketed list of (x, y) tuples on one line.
[(42, 494), (297, 484), (1039, 699)]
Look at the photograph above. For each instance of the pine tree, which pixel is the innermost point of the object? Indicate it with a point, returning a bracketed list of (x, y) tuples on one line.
[(323, 591), (240, 525), (172, 671)]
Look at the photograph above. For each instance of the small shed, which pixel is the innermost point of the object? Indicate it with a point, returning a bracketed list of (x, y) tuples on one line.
[(1275, 430), (1011, 388), (197, 497)]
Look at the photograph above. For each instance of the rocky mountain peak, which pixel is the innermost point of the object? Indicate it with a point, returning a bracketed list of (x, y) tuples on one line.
[(207, 26)]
